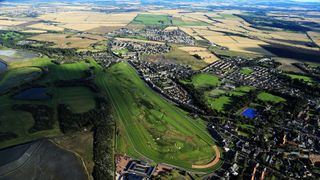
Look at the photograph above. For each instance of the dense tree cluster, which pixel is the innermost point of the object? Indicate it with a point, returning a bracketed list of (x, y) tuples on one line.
[(102, 124), (4, 136), (43, 116)]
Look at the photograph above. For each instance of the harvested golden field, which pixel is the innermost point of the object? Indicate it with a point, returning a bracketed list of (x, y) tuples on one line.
[(171, 28), (246, 45), (104, 29), (69, 41), (34, 31), (206, 32), (290, 36), (220, 39), (199, 16), (237, 43), (138, 40), (315, 36), (85, 21), (48, 27), (300, 40), (204, 53), (11, 22), (191, 32), (287, 65)]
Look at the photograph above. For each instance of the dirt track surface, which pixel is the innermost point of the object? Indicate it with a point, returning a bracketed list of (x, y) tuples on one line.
[(44, 161), (213, 162)]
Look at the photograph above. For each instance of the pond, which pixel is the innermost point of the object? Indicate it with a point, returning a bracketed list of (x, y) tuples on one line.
[(16, 54), (249, 113), (3, 66), (7, 53), (33, 94)]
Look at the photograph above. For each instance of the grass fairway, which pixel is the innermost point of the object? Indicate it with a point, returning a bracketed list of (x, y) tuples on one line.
[(204, 80), (267, 97), (149, 126)]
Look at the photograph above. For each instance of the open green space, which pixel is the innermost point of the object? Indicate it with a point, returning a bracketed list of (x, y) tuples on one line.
[(151, 19), (218, 98), (164, 20), (204, 80), (267, 97), (246, 70), (218, 103), (121, 52), (79, 98), (180, 22), (57, 72), (306, 79), (241, 90), (149, 126)]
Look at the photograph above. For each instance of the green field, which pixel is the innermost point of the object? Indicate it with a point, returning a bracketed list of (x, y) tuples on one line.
[(149, 126), (306, 79), (217, 98), (246, 71), (267, 97), (204, 80), (218, 103), (179, 22), (164, 20), (121, 52), (151, 19), (240, 91), (80, 99)]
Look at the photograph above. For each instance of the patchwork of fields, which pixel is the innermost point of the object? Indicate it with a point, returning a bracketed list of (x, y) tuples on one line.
[(148, 126)]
